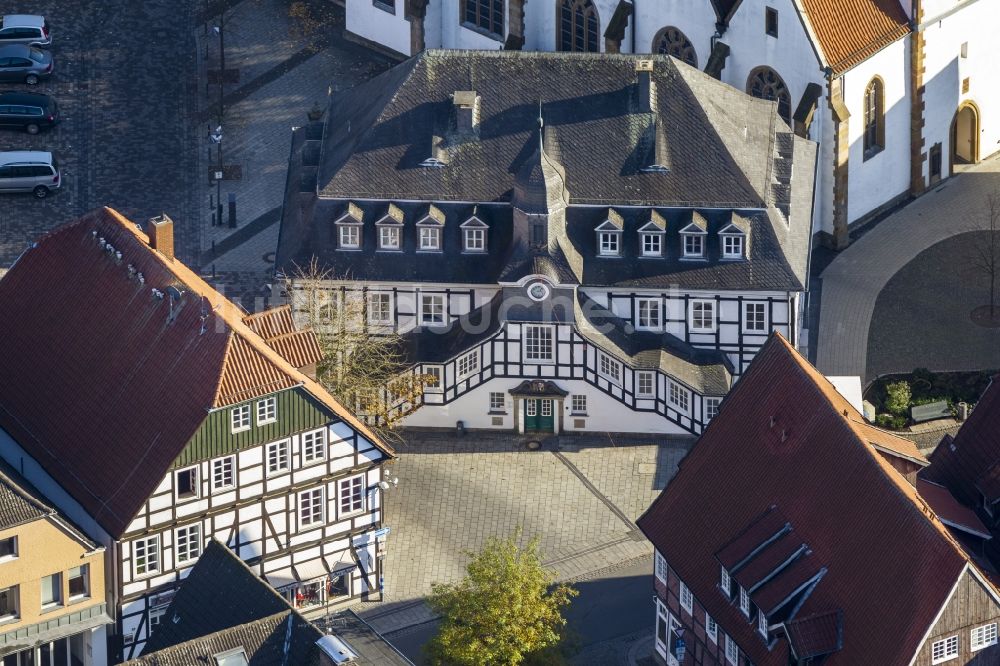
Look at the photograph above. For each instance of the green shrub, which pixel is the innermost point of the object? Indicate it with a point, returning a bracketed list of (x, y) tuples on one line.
[(890, 422), (897, 399)]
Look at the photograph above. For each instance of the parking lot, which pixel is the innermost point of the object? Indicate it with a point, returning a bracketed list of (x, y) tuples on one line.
[(125, 80)]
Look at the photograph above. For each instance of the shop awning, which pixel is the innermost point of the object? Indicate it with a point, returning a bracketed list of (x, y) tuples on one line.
[(311, 570), (281, 578)]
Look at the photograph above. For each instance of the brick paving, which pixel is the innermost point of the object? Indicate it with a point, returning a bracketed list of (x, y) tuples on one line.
[(852, 282), (125, 82), (454, 493)]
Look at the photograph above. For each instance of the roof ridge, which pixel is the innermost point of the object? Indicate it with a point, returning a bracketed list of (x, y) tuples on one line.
[(254, 316)]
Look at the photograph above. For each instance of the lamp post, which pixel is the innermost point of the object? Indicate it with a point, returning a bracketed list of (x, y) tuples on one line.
[(216, 137)]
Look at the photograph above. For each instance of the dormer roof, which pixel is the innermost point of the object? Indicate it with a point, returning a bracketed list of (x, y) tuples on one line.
[(697, 225), (353, 214), (393, 216), (433, 217), (656, 224), (613, 222)]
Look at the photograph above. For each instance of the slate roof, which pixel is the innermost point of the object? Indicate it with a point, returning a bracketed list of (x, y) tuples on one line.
[(851, 31), (22, 503), (130, 375), (785, 437)]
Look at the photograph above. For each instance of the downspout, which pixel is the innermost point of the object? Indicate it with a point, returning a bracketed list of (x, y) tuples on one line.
[(635, 17)]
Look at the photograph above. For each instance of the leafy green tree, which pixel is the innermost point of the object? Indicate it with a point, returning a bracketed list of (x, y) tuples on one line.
[(505, 611), (897, 397)]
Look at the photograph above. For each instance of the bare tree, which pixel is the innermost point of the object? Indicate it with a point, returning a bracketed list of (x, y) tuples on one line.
[(363, 366), (987, 246)]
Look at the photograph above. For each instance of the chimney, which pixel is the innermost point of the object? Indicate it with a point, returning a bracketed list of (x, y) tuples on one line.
[(466, 110), (161, 235), (644, 70)]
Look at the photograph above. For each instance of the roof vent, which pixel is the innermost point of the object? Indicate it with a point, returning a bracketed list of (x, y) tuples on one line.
[(466, 110), (644, 70), (336, 649)]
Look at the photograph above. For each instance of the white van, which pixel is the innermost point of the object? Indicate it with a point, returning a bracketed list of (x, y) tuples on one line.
[(29, 171)]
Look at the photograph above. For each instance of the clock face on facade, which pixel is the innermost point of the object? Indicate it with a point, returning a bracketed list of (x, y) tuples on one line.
[(538, 292)]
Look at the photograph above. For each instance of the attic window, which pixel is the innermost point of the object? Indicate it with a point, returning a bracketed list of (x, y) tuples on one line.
[(694, 246), (349, 237), (609, 243), (432, 162), (725, 583), (652, 245), (745, 601), (761, 623), (388, 238), (234, 657), (732, 246), (474, 235), (430, 238)]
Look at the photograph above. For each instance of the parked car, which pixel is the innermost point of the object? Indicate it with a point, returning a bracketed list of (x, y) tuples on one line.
[(27, 111), (24, 29), (29, 171), (20, 62)]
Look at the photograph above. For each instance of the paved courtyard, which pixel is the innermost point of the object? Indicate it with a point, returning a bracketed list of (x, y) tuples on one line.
[(580, 496), (853, 282)]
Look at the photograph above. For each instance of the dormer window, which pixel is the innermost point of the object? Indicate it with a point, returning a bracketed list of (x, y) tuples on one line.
[(732, 247), (651, 235), (474, 235), (349, 228), (609, 235), (733, 238), (430, 239), (350, 237), (745, 601), (429, 230), (725, 582), (389, 228), (761, 623), (693, 237)]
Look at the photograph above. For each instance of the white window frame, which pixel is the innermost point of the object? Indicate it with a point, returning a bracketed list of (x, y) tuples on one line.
[(267, 410), (151, 545), (280, 453), (428, 307), (467, 364), (725, 582), (578, 404), (944, 650), (761, 623), (645, 309), (688, 247), (609, 368), (313, 507), (750, 316), (347, 494), (536, 351), (309, 449), (434, 371), (16, 549), (430, 239), (376, 301), (197, 483), (85, 574), (732, 246), (987, 636), (647, 375), (744, 601), (609, 243), (679, 397), (239, 418), (219, 469), (711, 628), (498, 402), (660, 566), (388, 237), (474, 239), (57, 591), (703, 305), (732, 650), (711, 407), (652, 244), (191, 546), (686, 597), (348, 236)]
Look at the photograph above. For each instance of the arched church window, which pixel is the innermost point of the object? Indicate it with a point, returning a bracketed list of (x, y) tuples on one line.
[(485, 14), (765, 83), (874, 138), (579, 26), (672, 41)]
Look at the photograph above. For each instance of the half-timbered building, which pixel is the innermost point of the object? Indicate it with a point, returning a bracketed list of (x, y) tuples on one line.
[(566, 241), (795, 532), (156, 414)]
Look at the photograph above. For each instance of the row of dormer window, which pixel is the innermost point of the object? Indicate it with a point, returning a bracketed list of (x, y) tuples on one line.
[(609, 244), (428, 238)]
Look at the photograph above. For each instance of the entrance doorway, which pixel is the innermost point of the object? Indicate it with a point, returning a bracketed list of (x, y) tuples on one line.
[(965, 135), (539, 414)]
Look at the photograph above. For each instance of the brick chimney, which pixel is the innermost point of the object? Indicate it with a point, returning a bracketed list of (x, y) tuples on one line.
[(644, 71), (161, 235)]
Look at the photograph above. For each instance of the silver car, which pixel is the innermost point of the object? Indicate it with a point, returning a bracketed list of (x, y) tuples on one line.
[(24, 29), (29, 171), (19, 62)]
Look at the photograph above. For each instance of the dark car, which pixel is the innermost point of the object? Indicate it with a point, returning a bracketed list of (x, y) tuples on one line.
[(19, 62), (26, 111)]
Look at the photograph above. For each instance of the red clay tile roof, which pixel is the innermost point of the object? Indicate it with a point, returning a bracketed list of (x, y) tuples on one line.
[(851, 31), (105, 383), (817, 634), (276, 326), (949, 510), (271, 323), (853, 510)]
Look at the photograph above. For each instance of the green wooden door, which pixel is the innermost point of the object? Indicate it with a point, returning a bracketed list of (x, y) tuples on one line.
[(538, 415), (531, 414), (546, 421)]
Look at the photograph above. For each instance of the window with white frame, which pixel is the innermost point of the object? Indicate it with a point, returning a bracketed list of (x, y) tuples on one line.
[(267, 410), (240, 418), (52, 590), (725, 582), (314, 446), (188, 543), (468, 364), (610, 243), (610, 368), (732, 652), (649, 314), (694, 245), (432, 378), (146, 555), (711, 628), (349, 237), (578, 403), (652, 245), (711, 408), (660, 566), (474, 239), (311, 505), (351, 494), (538, 343), (984, 636), (687, 598), (755, 317), (762, 623), (732, 246), (703, 316), (8, 548), (944, 650), (186, 483), (277, 457), (497, 402), (432, 309), (78, 582), (679, 396), (388, 238), (379, 308), (744, 601), (645, 384), (430, 238), (224, 473)]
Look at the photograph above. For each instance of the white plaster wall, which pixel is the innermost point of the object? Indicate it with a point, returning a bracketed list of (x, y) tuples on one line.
[(540, 23), (366, 20), (885, 175), (945, 69), (448, 15), (697, 26)]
